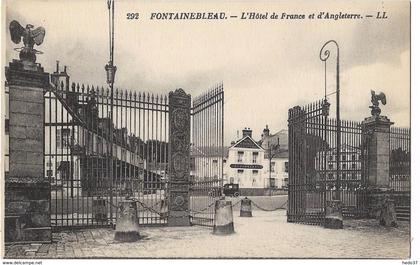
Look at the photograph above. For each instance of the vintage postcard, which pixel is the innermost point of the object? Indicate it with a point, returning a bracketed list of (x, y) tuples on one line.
[(206, 129)]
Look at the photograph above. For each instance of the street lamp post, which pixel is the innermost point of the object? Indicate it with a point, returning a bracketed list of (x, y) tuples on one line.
[(110, 69), (324, 54)]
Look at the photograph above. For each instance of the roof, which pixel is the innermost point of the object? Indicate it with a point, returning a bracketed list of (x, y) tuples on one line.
[(281, 153), (247, 142), (277, 144), (346, 148), (209, 151), (280, 138)]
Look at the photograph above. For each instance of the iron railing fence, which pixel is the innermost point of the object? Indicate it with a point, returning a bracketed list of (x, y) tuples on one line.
[(400, 159), (400, 167), (87, 184)]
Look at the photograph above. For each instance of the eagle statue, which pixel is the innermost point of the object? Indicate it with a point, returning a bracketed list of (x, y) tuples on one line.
[(30, 37), (375, 99)]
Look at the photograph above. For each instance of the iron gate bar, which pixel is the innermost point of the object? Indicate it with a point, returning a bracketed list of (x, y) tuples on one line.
[(400, 159), (85, 145), (207, 154)]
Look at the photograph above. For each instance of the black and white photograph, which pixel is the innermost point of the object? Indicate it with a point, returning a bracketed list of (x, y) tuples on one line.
[(225, 129)]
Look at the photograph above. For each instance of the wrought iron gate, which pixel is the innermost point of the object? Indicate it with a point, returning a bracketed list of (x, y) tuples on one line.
[(400, 171), (315, 173), (206, 155), (86, 184)]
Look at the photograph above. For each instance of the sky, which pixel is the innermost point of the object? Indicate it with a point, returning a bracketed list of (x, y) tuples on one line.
[(266, 66)]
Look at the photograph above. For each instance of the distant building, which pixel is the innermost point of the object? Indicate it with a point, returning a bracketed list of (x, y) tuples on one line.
[(275, 153), (78, 148), (207, 163), (350, 163)]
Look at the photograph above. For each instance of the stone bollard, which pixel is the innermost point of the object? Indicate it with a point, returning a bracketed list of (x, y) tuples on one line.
[(334, 215), (223, 220), (99, 209), (164, 209), (388, 216), (246, 208), (127, 228)]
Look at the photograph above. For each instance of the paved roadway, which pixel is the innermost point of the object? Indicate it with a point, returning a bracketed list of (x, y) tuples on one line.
[(267, 234)]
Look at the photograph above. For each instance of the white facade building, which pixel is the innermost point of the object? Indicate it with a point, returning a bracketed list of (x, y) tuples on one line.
[(245, 162), (248, 161)]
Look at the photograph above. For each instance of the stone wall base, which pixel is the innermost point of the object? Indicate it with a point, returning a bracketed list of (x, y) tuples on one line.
[(178, 218), (27, 210), (381, 206), (15, 232)]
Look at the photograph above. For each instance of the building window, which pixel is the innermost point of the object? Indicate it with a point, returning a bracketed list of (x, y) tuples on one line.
[(124, 155), (330, 158), (286, 166), (64, 170), (6, 125), (192, 164), (65, 135), (90, 142), (255, 172), (353, 157), (272, 166), (272, 183), (330, 166), (98, 144), (344, 166), (343, 157), (353, 166), (254, 157), (353, 176), (240, 156), (330, 175), (62, 138), (344, 176)]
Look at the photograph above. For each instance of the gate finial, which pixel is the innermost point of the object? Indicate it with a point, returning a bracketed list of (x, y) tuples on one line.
[(376, 111), (30, 37)]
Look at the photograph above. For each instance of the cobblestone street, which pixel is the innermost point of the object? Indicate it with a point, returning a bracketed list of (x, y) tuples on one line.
[(267, 234)]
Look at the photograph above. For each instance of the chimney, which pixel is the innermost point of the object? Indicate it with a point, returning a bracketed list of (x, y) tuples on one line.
[(60, 77), (266, 131), (246, 132)]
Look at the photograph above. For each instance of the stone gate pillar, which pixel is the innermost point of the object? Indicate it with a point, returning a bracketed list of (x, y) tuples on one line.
[(179, 158), (376, 133), (27, 190)]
